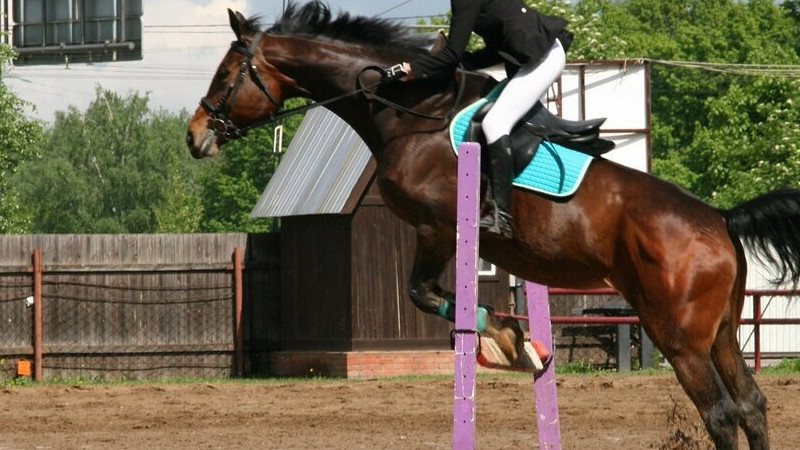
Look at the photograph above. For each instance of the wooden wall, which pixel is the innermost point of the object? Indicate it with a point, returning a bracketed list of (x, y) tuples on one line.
[(384, 316), (162, 305), (345, 284), (315, 281)]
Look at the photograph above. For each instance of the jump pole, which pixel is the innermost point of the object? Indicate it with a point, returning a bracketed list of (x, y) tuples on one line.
[(466, 334)]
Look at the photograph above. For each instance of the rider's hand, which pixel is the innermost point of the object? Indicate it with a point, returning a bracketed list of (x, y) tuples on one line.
[(408, 71)]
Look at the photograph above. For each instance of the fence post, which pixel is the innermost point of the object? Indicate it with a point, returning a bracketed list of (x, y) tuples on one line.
[(624, 348), (757, 316), (238, 296), (37, 315)]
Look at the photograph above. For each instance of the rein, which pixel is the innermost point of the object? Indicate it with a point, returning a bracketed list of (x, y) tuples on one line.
[(221, 124), (398, 107)]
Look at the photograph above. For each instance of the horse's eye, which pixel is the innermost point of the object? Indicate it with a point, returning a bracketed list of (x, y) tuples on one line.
[(222, 74)]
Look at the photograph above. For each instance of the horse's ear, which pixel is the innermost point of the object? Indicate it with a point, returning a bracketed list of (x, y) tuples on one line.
[(237, 22), (439, 43)]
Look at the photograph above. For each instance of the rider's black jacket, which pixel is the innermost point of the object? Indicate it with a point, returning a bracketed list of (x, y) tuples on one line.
[(514, 33)]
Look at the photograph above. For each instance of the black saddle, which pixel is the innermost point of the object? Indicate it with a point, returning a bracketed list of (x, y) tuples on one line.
[(539, 125)]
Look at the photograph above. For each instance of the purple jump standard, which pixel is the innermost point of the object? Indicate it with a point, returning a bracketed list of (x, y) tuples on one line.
[(466, 333)]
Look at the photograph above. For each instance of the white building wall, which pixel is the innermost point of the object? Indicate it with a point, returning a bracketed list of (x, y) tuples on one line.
[(774, 338)]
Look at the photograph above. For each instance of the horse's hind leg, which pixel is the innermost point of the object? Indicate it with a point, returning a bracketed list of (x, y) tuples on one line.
[(740, 384), (701, 381), (685, 336)]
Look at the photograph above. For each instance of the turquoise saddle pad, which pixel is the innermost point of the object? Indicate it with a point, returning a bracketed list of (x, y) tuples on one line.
[(554, 170)]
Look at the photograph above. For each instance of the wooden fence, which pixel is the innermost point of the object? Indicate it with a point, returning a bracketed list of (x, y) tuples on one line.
[(134, 306)]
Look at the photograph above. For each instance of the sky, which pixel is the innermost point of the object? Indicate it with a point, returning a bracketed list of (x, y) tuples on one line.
[(183, 42)]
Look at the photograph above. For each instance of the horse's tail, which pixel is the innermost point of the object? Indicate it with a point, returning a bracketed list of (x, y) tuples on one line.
[(769, 226)]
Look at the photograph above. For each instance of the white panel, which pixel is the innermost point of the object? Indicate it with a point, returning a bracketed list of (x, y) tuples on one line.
[(618, 92), (774, 338), (631, 150)]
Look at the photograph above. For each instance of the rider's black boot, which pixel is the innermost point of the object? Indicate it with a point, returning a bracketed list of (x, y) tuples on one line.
[(497, 220)]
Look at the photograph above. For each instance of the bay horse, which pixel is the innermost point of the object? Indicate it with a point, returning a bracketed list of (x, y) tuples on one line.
[(679, 262)]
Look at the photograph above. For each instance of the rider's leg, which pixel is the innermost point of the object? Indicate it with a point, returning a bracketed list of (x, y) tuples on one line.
[(497, 219), (524, 89), (518, 97)]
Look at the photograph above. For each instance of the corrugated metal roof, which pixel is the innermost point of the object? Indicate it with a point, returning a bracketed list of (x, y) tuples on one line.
[(319, 171)]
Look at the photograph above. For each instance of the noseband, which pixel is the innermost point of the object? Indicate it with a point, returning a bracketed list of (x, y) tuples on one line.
[(221, 123)]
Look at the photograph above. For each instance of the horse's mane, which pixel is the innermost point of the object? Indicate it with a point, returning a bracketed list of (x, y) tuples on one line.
[(315, 19)]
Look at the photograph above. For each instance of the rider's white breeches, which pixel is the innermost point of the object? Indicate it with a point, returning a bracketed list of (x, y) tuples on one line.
[(523, 90)]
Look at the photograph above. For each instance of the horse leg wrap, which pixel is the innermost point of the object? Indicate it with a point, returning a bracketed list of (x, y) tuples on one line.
[(447, 311), (483, 318)]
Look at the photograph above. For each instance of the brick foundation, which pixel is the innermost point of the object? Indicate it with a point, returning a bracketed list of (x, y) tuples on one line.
[(364, 364)]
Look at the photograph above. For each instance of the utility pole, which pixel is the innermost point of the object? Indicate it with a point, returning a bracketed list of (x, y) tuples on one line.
[(6, 31)]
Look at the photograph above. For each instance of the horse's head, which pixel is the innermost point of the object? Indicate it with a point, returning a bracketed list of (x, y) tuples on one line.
[(306, 53), (246, 90)]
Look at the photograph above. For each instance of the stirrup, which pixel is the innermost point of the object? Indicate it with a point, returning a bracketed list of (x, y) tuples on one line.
[(497, 222)]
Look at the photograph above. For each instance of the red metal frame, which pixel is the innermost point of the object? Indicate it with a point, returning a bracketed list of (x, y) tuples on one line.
[(757, 321), (37, 315), (238, 314)]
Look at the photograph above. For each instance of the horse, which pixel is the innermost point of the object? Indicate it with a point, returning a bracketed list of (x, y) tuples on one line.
[(679, 262)]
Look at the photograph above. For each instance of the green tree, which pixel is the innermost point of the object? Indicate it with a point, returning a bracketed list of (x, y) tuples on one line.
[(181, 210), (719, 132), (108, 169), (19, 136)]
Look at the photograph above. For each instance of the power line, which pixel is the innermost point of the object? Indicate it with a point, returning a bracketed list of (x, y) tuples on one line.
[(205, 25), (776, 70), (393, 8), (188, 32), (171, 72)]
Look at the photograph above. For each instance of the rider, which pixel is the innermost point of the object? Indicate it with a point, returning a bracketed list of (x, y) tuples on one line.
[(533, 47)]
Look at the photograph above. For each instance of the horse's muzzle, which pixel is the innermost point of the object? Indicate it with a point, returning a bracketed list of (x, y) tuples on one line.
[(205, 146)]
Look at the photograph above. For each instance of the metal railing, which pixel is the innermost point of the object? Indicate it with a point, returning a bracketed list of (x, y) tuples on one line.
[(757, 321)]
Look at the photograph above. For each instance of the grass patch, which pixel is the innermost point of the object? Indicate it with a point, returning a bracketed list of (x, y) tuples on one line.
[(785, 367), (580, 367)]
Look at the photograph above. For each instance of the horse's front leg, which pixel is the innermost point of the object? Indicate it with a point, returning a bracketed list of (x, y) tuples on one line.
[(430, 260)]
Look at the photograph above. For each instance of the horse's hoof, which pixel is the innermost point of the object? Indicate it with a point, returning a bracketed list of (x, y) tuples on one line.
[(491, 356), (530, 359), (545, 365)]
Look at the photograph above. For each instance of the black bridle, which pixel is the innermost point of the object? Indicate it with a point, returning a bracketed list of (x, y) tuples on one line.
[(221, 124)]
